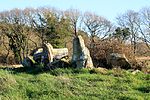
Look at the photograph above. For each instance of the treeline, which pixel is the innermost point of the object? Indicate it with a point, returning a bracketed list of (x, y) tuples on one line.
[(23, 30)]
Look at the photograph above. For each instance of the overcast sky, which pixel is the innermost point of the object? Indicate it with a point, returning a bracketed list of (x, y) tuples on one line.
[(107, 8)]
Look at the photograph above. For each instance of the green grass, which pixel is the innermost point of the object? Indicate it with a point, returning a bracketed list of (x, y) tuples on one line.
[(73, 84)]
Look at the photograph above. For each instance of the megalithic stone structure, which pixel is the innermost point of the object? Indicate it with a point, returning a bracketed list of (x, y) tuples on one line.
[(81, 56), (53, 53), (48, 49), (46, 55)]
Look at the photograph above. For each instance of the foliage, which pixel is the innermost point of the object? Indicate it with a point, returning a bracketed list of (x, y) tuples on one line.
[(121, 34), (23, 30), (52, 28)]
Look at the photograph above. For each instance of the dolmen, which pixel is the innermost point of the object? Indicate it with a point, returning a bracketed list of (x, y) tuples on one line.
[(45, 55), (48, 56)]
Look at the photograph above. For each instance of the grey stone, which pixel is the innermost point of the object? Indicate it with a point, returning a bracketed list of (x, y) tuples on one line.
[(81, 56), (28, 61), (118, 60), (45, 55)]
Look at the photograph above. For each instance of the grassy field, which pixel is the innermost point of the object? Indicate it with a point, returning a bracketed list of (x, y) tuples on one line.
[(73, 84)]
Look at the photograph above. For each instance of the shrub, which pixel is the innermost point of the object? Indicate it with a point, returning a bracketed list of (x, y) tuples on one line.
[(103, 49)]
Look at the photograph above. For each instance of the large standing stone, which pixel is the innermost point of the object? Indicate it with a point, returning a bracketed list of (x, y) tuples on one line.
[(81, 56)]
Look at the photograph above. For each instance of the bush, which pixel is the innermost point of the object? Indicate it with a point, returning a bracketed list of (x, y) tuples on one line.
[(103, 49)]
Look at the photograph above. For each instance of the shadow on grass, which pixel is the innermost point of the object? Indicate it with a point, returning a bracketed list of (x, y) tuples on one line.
[(28, 70), (53, 71), (56, 71), (144, 89)]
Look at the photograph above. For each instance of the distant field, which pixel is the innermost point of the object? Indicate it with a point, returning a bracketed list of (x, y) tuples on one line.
[(73, 84)]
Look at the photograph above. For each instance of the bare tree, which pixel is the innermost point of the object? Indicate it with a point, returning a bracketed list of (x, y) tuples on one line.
[(74, 17), (96, 26), (144, 25), (130, 19)]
